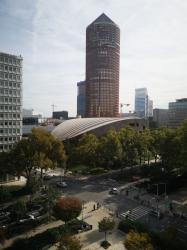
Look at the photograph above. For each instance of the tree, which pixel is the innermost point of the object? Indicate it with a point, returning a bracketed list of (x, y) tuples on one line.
[(18, 210), (39, 150), (86, 150), (67, 208), (2, 236), (52, 196), (49, 152), (110, 149), (137, 241), (68, 242), (127, 138), (105, 225)]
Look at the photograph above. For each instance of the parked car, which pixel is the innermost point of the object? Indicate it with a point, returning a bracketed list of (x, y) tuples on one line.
[(4, 215), (61, 184), (113, 191), (35, 207), (27, 218), (78, 226), (47, 177)]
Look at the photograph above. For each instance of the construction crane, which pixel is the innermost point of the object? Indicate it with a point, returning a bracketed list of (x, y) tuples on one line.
[(53, 107), (122, 105)]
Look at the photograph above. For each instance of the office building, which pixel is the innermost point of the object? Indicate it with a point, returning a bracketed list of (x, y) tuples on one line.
[(61, 115), (150, 108), (102, 68), (177, 112), (160, 117), (10, 100), (141, 102), (81, 96)]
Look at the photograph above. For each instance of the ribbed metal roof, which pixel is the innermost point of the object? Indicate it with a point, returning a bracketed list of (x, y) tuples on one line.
[(74, 127)]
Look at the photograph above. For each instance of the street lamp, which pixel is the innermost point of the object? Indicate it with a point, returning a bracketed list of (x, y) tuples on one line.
[(83, 202)]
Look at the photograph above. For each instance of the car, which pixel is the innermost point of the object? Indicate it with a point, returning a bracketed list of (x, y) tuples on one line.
[(61, 184), (27, 218), (78, 226), (4, 215), (113, 191), (47, 177)]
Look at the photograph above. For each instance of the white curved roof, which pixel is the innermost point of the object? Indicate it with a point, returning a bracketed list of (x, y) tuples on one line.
[(74, 127)]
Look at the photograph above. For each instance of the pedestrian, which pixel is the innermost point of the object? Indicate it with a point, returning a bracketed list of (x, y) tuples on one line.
[(98, 205), (94, 207)]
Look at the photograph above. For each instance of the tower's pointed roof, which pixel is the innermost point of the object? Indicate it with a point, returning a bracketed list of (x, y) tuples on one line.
[(103, 18)]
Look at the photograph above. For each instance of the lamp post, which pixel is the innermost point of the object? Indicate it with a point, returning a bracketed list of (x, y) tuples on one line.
[(82, 210)]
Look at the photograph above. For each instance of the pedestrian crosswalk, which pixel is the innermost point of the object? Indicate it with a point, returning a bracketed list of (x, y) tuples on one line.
[(136, 213)]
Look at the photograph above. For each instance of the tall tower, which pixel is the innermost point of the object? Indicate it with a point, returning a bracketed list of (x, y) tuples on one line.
[(102, 68)]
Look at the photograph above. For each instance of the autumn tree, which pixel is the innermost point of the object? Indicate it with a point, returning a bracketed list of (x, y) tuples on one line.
[(137, 241), (67, 208), (68, 242), (40, 150), (105, 225)]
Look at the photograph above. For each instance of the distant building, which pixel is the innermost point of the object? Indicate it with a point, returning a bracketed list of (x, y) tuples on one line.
[(141, 102), (160, 117), (10, 100), (61, 115), (177, 112), (81, 98), (27, 112), (150, 108), (102, 68)]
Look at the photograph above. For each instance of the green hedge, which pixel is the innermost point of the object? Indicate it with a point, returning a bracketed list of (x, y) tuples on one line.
[(41, 240), (97, 170)]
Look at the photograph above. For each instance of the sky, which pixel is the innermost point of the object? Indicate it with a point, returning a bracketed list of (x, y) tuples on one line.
[(50, 35)]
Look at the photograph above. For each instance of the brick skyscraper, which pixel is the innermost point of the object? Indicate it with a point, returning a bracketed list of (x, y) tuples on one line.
[(102, 68)]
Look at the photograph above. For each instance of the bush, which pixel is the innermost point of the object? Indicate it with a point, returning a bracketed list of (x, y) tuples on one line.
[(105, 244), (5, 194), (46, 238), (127, 225), (97, 171)]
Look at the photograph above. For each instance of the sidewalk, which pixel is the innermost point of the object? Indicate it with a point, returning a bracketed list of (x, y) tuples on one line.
[(91, 239)]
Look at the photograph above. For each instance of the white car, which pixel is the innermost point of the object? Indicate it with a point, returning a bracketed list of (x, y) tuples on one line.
[(114, 191), (27, 218), (61, 184)]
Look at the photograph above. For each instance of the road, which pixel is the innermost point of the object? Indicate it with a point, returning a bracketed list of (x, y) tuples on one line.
[(97, 189)]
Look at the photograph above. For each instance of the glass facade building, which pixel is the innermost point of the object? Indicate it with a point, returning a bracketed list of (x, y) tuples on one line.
[(177, 112), (10, 100), (141, 102), (81, 98), (102, 68)]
